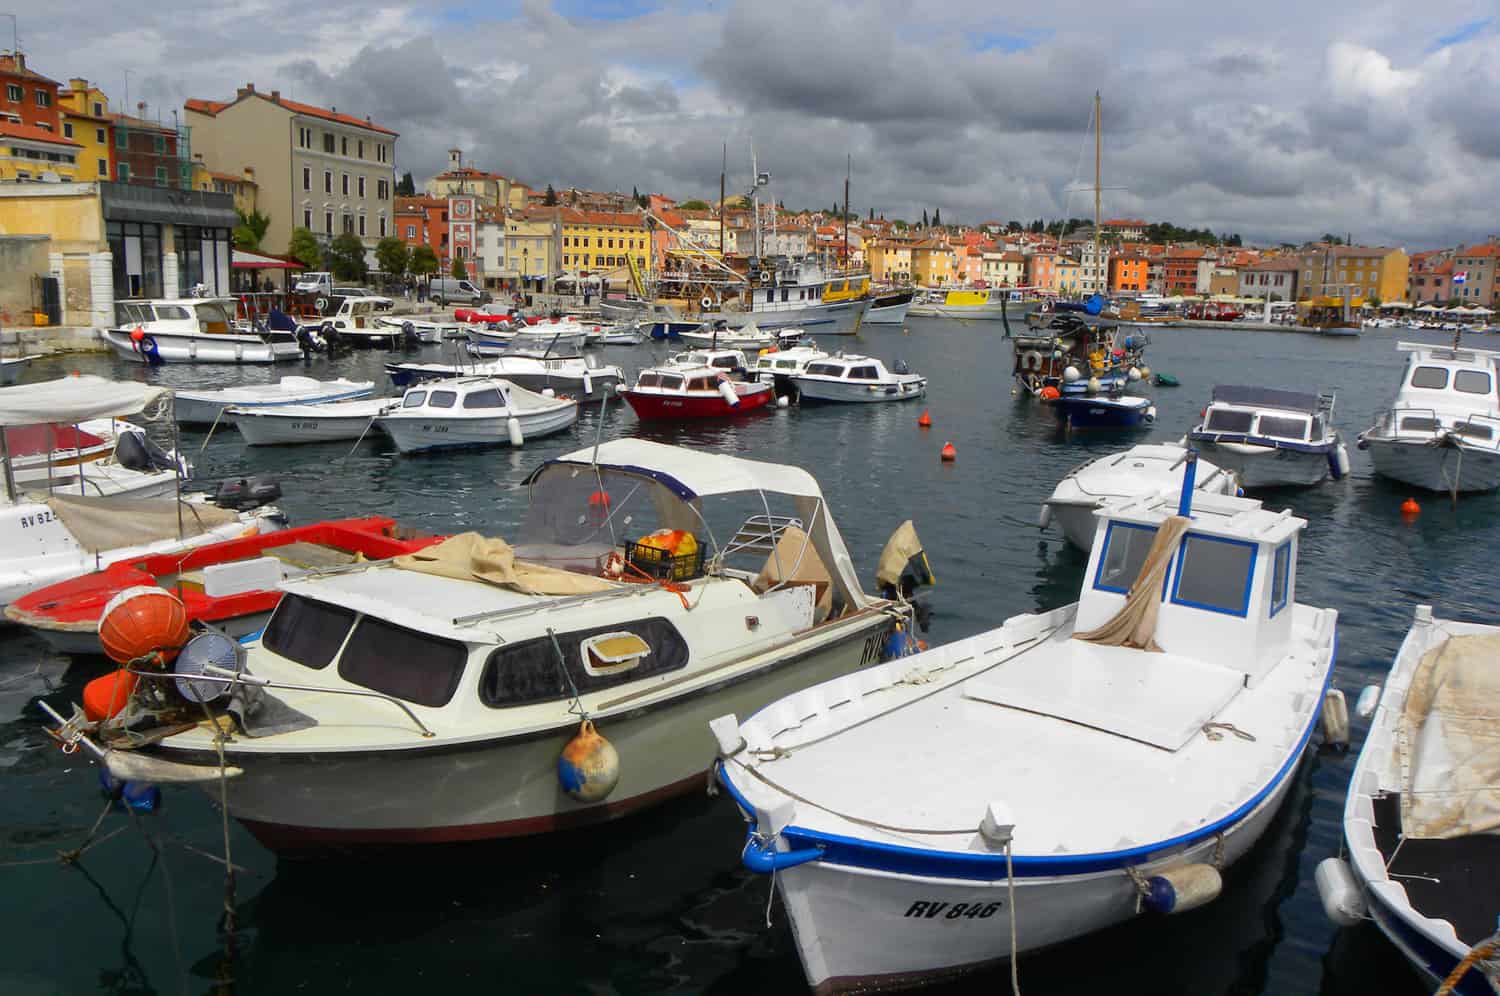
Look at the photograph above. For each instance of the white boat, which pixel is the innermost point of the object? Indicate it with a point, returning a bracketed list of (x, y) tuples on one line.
[(729, 361), (358, 321), (473, 411), (624, 334), (1442, 433), (959, 807), (46, 538), (1271, 438), (581, 377), (1139, 472), (1419, 854), (425, 330), (718, 335), (973, 304), (779, 366), (208, 407), (848, 377), (193, 330), (11, 368), (433, 695), (98, 457), (560, 336), (889, 307), (322, 423)]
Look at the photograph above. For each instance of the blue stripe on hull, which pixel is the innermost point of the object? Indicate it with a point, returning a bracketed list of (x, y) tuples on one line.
[(1425, 954)]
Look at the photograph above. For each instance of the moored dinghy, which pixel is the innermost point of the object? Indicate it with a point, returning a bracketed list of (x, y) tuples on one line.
[(208, 407), (1141, 471), (324, 423), (430, 699), (968, 804), (855, 379)]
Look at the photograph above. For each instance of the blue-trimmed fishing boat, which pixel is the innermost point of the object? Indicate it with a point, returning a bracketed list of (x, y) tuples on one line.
[(1068, 771), (1101, 411), (1271, 438)]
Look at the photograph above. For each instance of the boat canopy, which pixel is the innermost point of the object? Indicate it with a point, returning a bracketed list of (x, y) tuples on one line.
[(691, 473), (70, 400), (1266, 397)]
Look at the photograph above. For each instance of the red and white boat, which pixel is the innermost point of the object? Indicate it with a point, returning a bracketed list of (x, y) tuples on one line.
[(233, 584), (693, 392)]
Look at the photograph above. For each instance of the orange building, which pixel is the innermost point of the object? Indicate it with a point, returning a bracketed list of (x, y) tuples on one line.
[(30, 98), (423, 221), (1041, 270), (1127, 273)]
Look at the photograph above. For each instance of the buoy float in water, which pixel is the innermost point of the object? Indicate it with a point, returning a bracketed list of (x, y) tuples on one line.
[(1410, 509), (141, 620), (1050, 393), (588, 768), (782, 401), (924, 419), (136, 335), (949, 453)]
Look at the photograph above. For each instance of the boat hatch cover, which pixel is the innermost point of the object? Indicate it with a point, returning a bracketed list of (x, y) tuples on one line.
[(1266, 397), (1158, 699)]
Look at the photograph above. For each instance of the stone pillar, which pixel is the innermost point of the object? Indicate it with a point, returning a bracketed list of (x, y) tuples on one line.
[(102, 289)]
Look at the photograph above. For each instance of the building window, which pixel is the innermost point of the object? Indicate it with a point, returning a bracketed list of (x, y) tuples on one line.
[(67, 129), (99, 113), (361, 187), (327, 181), (328, 222), (361, 147), (159, 142), (43, 98), (383, 190), (307, 178), (411, 231), (344, 146), (99, 134), (348, 224), (122, 172), (304, 137), (104, 168), (382, 228), (361, 225), (122, 138), (307, 219), (161, 176), (328, 145), (345, 184)]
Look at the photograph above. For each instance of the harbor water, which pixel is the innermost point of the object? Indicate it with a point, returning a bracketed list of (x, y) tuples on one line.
[(659, 902)]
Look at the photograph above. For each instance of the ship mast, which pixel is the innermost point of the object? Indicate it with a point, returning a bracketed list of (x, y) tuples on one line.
[(848, 171), (1098, 164)]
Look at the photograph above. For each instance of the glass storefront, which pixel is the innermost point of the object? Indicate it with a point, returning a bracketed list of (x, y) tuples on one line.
[(202, 258), (137, 258)]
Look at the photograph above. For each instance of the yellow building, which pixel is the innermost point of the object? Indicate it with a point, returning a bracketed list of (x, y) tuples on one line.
[(84, 110), (31, 153), (533, 241), (1366, 272), (933, 263), (599, 242), (890, 261), (1003, 269), (242, 188), (1067, 276)]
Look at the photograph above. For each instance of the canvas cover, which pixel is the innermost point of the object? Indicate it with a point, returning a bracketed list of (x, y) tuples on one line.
[(100, 524), (472, 557), (1452, 722), (1135, 624), (69, 400), (900, 551), (796, 561)]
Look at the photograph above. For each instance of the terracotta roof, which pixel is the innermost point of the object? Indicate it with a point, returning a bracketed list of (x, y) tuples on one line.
[(671, 217), (1444, 268), (32, 133), (1481, 251), (213, 107), (143, 124), (419, 204), (1124, 223), (573, 216), (8, 67), (230, 178), (1275, 263), (468, 173)]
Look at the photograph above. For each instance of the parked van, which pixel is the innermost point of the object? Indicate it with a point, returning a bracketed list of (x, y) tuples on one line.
[(445, 290), (315, 282)]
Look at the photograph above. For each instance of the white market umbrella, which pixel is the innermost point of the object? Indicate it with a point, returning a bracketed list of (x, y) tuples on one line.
[(1398, 305), (1480, 311), (1428, 308)]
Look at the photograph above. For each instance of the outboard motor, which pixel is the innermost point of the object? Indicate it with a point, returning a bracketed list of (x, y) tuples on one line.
[(246, 493), (134, 450), (901, 367), (409, 336)]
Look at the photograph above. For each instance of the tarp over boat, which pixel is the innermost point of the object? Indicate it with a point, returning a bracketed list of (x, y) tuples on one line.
[(100, 524), (1452, 721), (472, 557), (70, 400)]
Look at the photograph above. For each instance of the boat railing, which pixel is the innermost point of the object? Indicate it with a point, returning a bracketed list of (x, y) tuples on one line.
[(1476, 430)]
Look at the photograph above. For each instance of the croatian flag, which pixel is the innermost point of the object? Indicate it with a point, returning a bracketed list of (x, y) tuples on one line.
[(1461, 277)]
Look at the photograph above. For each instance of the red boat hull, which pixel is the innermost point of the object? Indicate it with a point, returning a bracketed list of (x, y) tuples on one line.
[(74, 605), (697, 404)]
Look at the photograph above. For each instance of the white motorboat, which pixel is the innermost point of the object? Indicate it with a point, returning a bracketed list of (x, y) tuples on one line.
[(1139, 472), (46, 538), (429, 698), (1066, 772), (98, 457), (328, 422), (581, 377), (848, 377), (973, 304), (359, 321), (424, 330), (624, 334), (1443, 431), (559, 336), (718, 335), (208, 407), (889, 307), (193, 330), (728, 361), (779, 366), (473, 411), (1271, 438), (11, 368), (1420, 856)]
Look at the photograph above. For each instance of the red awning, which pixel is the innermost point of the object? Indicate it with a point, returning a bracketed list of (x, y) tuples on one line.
[(243, 260)]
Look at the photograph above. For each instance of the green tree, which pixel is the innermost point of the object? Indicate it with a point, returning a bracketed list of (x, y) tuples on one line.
[(392, 255), (459, 271), (924, 217), (423, 261), (872, 214), (250, 230), (743, 203), (406, 186), (693, 206), (303, 247), (551, 199), (937, 217), (346, 257)]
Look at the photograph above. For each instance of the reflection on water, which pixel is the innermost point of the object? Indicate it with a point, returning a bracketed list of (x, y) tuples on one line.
[(659, 902)]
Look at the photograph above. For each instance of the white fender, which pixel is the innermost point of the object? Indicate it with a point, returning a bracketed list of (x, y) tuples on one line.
[(588, 383), (1368, 699), (513, 429), (1045, 519), (1343, 900), (726, 389), (1335, 718)]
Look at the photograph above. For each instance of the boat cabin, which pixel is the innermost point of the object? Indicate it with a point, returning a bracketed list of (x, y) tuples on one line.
[(193, 315), (1450, 379), (727, 360), (683, 378), (788, 361), (466, 395), (1266, 414), (1226, 591), (848, 366)]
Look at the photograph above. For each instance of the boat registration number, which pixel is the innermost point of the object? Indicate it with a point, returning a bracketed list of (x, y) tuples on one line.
[(434, 428), (928, 910), (37, 519), (874, 648)]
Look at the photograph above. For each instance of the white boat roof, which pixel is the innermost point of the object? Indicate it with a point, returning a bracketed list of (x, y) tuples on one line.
[(294, 387), (69, 400), (1146, 468), (1215, 514), (424, 602), (693, 473), (186, 302), (1462, 356)]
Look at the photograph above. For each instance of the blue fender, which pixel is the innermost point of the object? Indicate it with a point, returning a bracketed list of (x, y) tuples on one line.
[(763, 858)]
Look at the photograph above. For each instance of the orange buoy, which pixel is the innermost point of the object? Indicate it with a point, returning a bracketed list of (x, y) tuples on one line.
[(141, 620), (1410, 509), (137, 334), (924, 420), (103, 698), (1050, 393), (949, 453)]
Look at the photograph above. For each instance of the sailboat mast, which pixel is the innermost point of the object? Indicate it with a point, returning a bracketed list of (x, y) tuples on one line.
[(848, 171), (1098, 171), (723, 169)]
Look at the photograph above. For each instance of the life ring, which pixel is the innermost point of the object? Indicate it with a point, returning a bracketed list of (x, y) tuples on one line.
[(706, 303), (321, 304), (1031, 360)]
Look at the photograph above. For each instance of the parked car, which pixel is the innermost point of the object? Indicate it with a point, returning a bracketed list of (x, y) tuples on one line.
[(444, 290), (381, 303), (316, 282)]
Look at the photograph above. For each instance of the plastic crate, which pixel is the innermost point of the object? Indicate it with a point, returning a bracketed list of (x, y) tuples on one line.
[(662, 565)]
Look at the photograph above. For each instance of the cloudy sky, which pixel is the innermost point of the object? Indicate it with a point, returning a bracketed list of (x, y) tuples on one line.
[(1278, 119)]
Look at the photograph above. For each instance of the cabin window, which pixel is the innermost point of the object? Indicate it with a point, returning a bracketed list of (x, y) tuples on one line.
[(442, 399), (671, 382), (863, 373), (787, 365), (1317, 427), (1228, 420), (1471, 381), (1214, 574), (530, 671), (1281, 574), (725, 363), (1432, 378), (1473, 430), (484, 399), (700, 384), (307, 632), (171, 311), (414, 399), (1125, 549), (1419, 423), (648, 380), (825, 370), (1282, 427), (402, 663)]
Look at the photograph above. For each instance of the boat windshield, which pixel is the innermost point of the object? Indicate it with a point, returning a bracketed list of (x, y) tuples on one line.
[(213, 319), (578, 515), (1284, 427), (1228, 420)]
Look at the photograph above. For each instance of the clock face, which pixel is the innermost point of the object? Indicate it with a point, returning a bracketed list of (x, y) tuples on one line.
[(461, 208)]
